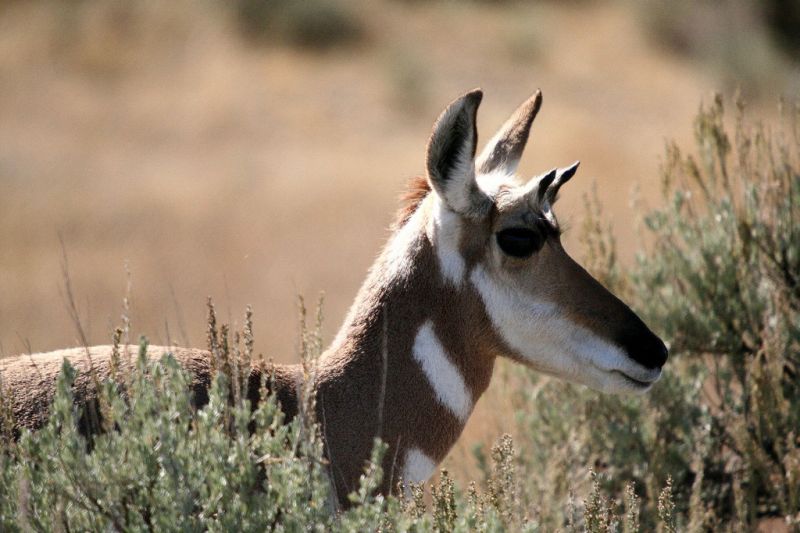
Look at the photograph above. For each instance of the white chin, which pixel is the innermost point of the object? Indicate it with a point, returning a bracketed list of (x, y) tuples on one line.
[(616, 382)]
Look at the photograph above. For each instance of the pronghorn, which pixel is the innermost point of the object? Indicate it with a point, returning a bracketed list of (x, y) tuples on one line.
[(473, 270)]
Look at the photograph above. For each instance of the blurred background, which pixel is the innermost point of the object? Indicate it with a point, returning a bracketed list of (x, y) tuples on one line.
[(253, 150)]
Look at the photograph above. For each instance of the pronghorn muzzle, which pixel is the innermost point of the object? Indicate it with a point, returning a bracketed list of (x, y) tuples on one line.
[(635, 354), (641, 344)]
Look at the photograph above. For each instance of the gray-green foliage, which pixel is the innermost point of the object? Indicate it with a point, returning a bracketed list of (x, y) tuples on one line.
[(726, 289), (721, 282), (164, 466), (161, 465)]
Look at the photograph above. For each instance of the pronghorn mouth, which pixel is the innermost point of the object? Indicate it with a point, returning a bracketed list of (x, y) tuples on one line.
[(636, 382)]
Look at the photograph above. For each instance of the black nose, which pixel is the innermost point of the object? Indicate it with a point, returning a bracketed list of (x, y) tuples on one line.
[(643, 346)]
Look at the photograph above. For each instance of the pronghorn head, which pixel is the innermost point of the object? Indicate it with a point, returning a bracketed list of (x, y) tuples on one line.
[(500, 235)]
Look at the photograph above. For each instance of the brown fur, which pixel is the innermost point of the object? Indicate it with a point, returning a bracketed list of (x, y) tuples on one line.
[(350, 372), (416, 191)]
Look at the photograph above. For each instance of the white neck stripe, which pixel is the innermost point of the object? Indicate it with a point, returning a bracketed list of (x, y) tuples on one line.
[(445, 379)]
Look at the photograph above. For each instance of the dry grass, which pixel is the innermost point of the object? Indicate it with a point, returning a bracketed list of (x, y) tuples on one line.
[(254, 174)]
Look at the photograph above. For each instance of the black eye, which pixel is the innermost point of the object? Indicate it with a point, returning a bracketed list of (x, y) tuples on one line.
[(519, 242)]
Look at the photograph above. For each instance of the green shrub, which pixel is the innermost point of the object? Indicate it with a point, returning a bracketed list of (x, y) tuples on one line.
[(163, 467), (726, 289), (721, 282)]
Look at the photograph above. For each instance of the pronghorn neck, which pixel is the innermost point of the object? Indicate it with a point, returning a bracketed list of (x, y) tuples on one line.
[(412, 358)]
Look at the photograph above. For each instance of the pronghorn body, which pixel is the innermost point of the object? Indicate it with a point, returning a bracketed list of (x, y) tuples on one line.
[(474, 270)]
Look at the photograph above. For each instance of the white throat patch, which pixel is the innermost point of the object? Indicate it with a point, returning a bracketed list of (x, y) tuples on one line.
[(417, 466), (444, 232)]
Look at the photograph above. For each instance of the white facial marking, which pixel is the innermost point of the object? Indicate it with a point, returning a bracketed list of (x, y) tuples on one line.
[(444, 231), (446, 380), (491, 182), (417, 467), (555, 345)]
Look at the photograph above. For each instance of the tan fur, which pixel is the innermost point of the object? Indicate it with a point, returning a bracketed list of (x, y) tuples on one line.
[(28, 381), (580, 297)]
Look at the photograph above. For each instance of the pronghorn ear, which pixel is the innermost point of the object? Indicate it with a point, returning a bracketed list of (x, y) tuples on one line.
[(504, 150), (451, 155)]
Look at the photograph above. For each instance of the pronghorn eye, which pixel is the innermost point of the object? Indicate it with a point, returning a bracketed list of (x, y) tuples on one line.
[(519, 242)]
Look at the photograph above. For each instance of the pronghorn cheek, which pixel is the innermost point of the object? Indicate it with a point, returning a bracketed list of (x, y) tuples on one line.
[(542, 338), (531, 329)]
